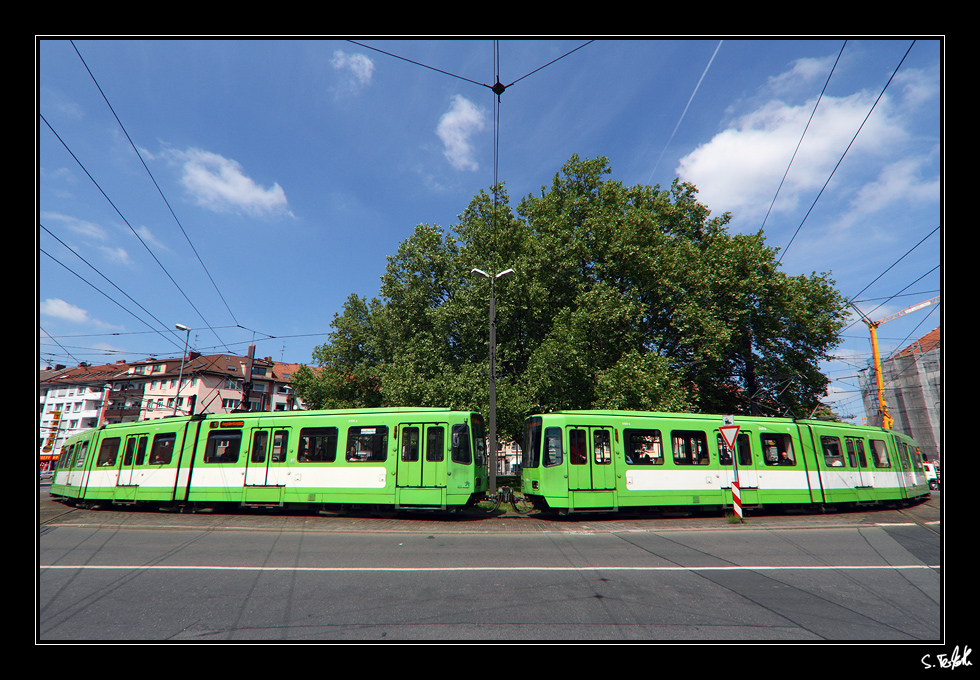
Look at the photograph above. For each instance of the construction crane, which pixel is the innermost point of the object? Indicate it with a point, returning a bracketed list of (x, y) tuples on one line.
[(886, 420)]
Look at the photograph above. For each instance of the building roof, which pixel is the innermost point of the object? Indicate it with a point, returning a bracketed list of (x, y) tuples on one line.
[(928, 342), (83, 374), (196, 364)]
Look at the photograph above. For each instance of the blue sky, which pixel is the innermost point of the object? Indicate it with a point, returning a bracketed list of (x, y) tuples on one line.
[(274, 177)]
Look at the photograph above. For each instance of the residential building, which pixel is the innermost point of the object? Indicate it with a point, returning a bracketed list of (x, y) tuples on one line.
[(71, 400), (75, 399)]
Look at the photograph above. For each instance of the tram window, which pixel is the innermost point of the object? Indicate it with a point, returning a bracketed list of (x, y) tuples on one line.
[(916, 456), (690, 447), (742, 445), (141, 451), (64, 459), (851, 453), (602, 447), (724, 455), (367, 444), (163, 449), (80, 451), (552, 447), (260, 442), (223, 446), (479, 440), (410, 444), (279, 441), (644, 447), (108, 452), (532, 443), (435, 444), (461, 445), (316, 445), (576, 445), (879, 454), (855, 452), (778, 449), (903, 454), (130, 451), (832, 454), (745, 449)]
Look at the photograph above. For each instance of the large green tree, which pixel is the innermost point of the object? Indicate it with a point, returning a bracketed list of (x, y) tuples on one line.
[(623, 298)]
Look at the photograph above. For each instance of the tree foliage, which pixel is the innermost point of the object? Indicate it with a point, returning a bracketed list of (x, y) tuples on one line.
[(624, 298)]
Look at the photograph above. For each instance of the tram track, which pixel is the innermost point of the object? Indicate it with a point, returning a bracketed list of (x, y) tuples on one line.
[(49, 519), (931, 525)]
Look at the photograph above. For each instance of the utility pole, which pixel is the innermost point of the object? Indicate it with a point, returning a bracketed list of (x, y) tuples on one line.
[(492, 424), (247, 386)]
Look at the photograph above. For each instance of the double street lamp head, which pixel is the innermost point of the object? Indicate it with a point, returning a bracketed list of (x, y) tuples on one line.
[(506, 272)]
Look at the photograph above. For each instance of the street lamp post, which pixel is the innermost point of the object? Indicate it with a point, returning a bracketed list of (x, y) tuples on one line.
[(180, 379), (492, 425)]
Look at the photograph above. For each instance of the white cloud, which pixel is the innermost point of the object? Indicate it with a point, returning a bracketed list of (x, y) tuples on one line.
[(119, 255), (150, 239), (82, 227), (899, 182), (803, 71), (741, 167), (60, 309), (220, 184), (456, 126), (358, 68)]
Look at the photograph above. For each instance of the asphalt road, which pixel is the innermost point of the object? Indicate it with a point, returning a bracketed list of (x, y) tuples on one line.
[(155, 576)]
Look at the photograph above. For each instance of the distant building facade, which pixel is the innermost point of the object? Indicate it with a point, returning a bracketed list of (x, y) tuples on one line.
[(913, 382), (71, 400)]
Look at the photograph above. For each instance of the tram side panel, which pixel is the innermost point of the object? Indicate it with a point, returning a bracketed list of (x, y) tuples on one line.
[(342, 459), (282, 460), (771, 461), (125, 464), (74, 456), (857, 464), (682, 460)]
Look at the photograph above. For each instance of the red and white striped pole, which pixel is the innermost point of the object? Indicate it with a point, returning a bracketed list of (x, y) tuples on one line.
[(737, 499), (729, 432)]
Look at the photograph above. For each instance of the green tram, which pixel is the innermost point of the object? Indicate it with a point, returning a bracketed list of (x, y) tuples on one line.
[(580, 461), (395, 458)]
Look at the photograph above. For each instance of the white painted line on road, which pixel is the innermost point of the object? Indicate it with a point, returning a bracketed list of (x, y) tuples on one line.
[(201, 567)]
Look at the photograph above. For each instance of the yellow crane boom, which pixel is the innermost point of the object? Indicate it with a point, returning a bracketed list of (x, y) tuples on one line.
[(886, 420)]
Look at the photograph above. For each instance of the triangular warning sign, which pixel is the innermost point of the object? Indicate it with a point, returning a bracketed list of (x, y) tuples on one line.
[(730, 434)]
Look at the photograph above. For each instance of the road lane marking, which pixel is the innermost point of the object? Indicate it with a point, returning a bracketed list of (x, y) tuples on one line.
[(203, 567)]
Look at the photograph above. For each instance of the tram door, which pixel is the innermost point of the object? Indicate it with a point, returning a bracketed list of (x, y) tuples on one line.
[(421, 455), (590, 459), (133, 456), (744, 464), (856, 457), (263, 475)]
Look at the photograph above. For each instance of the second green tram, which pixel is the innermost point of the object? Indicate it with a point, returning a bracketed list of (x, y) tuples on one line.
[(577, 461)]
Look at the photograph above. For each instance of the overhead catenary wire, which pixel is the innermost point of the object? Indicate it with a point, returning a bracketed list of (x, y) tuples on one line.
[(496, 170), (54, 259), (126, 221), (153, 179), (802, 136), (76, 254), (841, 159)]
